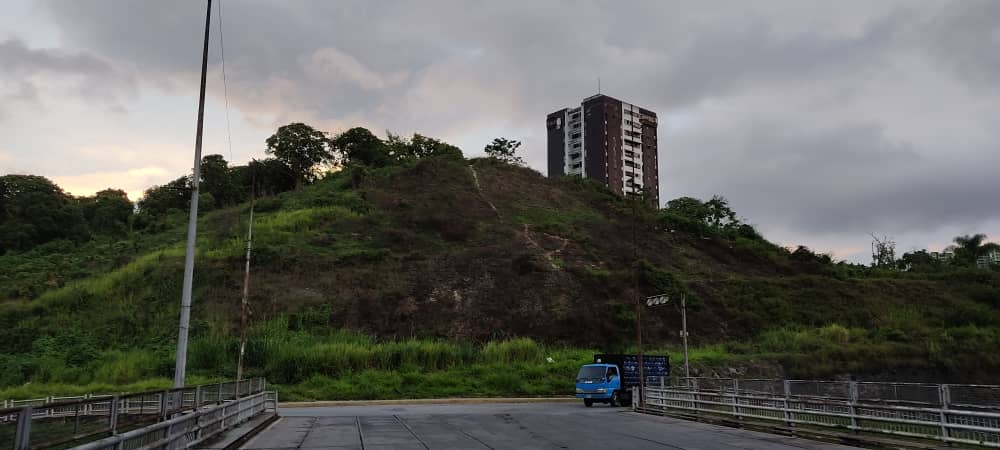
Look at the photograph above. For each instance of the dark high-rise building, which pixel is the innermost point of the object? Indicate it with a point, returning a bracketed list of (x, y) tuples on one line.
[(607, 140)]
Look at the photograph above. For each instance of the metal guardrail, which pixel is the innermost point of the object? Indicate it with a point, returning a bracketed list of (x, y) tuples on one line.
[(191, 429), (60, 422), (864, 408), (972, 396)]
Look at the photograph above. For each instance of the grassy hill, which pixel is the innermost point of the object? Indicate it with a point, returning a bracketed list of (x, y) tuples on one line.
[(445, 277)]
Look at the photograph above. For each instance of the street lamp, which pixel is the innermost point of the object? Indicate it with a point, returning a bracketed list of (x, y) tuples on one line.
[(663, 299)]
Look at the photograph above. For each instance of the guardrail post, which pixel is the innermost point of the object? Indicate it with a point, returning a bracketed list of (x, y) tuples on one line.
[(114, 414), (736, 391), (197, 397), (163, 405), (853, 385), (944, 396), (22, 438), (635, 398), (696, 403), (788, 393), (218, 397), (76, 419)]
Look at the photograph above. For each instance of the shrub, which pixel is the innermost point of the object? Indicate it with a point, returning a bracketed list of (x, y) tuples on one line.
[(514, 350)]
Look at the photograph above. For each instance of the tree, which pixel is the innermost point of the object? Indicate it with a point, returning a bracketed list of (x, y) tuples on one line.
[(158, 201), (34, 210), (267, 177), (301, 148), (919, 260), (969, 247), (689, 208), (719, 214), (217, 180), (715, 213), (883, 252), (504, 150), (419, 146), (360, 146), (108, 212)]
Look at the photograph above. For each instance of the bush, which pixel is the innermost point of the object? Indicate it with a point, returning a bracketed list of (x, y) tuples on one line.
[(511, 351)]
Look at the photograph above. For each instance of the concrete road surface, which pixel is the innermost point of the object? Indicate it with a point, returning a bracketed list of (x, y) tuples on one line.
[(504, 426)]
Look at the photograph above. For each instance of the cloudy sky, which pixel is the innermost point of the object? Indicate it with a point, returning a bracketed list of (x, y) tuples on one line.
[(820, 121)]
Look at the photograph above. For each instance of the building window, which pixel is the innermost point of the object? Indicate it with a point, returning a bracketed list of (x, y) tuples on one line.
[(574, 155), (575, 136), (577, 165), (576, 145), (574, 116)]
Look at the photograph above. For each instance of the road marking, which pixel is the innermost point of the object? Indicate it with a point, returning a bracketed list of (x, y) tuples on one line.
[(407, 426)]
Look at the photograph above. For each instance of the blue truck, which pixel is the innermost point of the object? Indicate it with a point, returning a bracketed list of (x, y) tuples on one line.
[(611, 377)]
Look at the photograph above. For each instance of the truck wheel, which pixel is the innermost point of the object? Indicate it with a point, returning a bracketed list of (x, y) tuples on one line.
[(616, 399), (588, 402)]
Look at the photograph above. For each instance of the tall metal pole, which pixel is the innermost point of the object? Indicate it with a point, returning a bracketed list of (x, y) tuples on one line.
[(684, 322), (246, 293), (185, 322), (635, 294)]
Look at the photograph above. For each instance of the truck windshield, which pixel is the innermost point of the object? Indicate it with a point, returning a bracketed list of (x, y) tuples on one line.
[(591, 373)]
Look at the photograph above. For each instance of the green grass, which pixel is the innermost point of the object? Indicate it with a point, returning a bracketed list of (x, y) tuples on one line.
[(341, 365)]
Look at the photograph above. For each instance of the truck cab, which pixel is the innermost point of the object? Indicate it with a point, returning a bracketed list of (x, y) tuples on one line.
[(600, 383)]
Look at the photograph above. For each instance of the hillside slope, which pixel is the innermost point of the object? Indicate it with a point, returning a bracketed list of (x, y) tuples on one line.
[(477, 251)]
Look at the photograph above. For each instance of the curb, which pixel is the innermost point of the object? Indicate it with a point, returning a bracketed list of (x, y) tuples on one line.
[(426, 401)]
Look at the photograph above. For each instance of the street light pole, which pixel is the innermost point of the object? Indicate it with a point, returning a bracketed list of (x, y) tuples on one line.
[(635, 295), (185, 322), (663, 299)]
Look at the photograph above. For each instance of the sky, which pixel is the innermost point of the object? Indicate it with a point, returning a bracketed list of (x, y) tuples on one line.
[(821, 122)]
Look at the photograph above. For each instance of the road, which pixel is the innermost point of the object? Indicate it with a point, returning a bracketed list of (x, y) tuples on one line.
[(505, 426)]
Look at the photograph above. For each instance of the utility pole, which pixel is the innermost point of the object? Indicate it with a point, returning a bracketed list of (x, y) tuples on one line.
[(185, 322), (246, 292), (635, 298), (684, 324)]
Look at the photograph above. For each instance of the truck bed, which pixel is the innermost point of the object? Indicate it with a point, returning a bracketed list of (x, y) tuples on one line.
[(654, 367)]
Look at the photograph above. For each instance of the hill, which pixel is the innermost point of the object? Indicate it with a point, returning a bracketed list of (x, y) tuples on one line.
[(443, 276)]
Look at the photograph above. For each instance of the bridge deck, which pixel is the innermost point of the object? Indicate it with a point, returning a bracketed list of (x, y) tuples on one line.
[(505, 426)]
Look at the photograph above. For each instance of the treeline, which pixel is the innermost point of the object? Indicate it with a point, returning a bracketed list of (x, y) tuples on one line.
[(34, 210), (715, 218), (965, 251)]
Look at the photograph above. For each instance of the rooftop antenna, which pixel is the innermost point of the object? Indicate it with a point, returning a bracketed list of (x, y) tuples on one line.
[(598, 85)]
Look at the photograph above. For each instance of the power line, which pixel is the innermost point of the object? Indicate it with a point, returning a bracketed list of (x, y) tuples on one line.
[(225, 84)]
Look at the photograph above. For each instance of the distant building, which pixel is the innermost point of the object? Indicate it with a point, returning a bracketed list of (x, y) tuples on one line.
[(943, 256), (607, 140), (990, 258)]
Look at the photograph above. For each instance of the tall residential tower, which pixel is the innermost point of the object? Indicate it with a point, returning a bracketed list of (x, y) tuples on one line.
[(607, 140)]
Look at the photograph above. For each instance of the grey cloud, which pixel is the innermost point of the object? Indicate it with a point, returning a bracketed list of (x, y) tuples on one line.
[(808, 137), (849, 179), (77, 74), (960, 33)]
